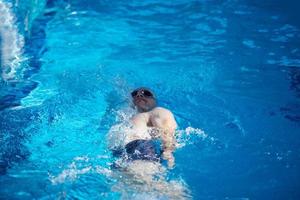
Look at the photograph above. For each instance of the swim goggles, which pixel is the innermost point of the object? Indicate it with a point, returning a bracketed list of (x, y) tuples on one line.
[(142, 92)]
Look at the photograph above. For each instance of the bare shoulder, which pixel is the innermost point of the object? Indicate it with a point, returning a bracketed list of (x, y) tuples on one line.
[(162, 111), (162, 117), (140, 118)]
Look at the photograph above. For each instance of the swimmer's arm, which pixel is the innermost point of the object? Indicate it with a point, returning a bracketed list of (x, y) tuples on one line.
[(165, 121), (169, 143)]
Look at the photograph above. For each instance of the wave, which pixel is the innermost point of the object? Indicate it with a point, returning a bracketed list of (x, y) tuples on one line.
[(139, 179), (12, 42)]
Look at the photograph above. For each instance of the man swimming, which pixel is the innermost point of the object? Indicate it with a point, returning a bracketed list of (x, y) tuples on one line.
[(151, 135), (158, 122), (141, 143)]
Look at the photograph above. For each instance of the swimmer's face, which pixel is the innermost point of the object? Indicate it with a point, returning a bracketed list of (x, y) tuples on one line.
[(143, 99)]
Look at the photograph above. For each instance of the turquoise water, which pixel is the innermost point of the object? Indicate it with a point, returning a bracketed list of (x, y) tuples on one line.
[(228, 70)]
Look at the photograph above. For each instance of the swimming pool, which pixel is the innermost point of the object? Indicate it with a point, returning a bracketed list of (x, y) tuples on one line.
[(228, 69)]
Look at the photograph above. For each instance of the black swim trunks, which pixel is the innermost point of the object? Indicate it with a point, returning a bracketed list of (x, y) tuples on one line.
[(140, 150), (143, 150)]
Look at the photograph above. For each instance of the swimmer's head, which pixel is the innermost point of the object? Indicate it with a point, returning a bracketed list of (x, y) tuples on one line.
[(143, 99)]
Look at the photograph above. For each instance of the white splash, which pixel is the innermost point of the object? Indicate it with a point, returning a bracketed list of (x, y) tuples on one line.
[(197, 131), (80, 165), (145, 177), (184, 137), (135, 178), (12, 42), (118, 133), (69, 174)]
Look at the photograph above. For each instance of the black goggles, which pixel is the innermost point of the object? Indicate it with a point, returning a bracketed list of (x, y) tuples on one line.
[(142, 92)]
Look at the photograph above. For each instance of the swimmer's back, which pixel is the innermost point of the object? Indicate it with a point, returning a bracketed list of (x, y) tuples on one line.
[(142, 123), (162, 118)]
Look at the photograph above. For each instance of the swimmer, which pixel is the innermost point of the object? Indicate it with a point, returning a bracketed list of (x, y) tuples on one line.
[(151, 133), (155, 123), (141, 143)]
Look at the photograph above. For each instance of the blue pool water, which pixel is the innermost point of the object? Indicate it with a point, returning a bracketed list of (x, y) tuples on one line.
[(229, 70)]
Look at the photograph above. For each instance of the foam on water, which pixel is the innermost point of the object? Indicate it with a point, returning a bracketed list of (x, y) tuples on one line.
[(69, 174), (12, 42), (116, 136), (136, 178)]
